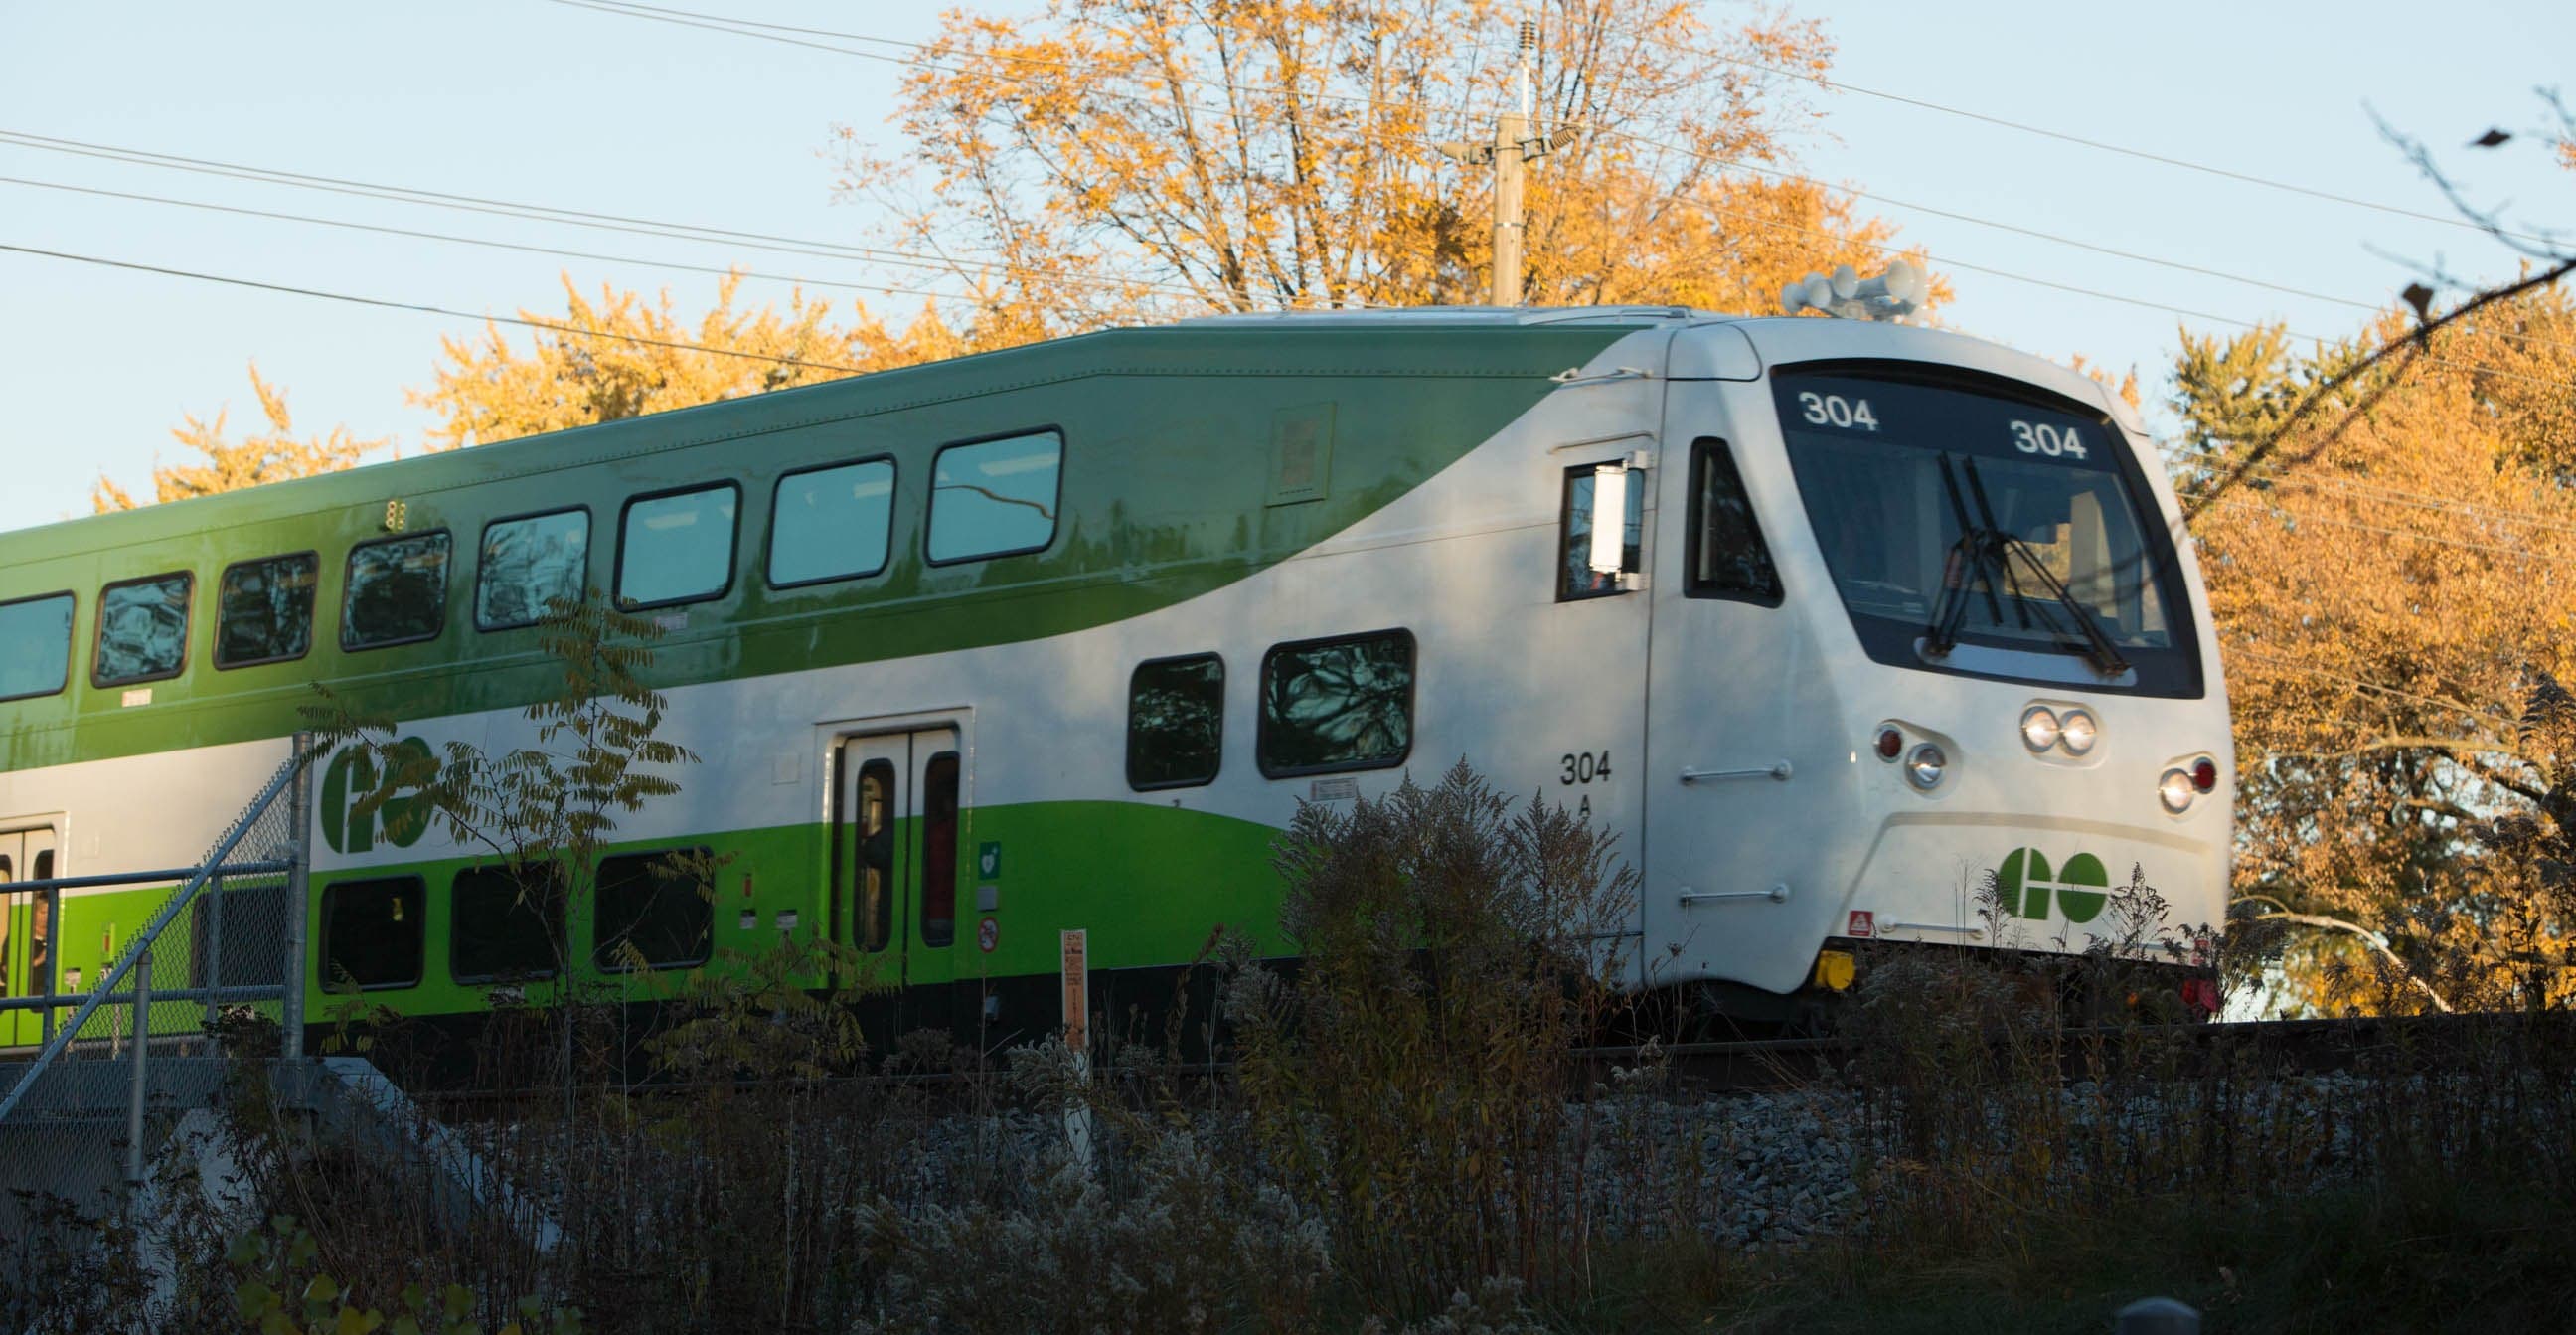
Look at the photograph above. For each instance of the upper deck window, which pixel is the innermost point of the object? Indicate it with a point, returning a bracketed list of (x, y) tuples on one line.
[(142, 629), (35, 646), (677, 547), (1984, 526), (397, 591), (528, 564), (995, 497), (831, 523), (264, 610)]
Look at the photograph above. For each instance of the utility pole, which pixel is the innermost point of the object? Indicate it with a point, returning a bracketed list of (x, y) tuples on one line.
[(1510, 153)]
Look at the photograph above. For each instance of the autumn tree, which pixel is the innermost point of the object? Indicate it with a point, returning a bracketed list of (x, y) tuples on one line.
[(2395, 613), (1111, 160), (272, 456), (618, 355)]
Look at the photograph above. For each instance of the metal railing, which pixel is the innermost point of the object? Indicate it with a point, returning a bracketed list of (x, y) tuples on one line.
[(227, 942)]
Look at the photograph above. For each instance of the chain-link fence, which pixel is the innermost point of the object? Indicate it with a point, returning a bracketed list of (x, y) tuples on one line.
[(212, 976)]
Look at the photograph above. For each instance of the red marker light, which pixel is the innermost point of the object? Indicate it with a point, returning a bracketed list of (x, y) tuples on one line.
[(1890, 741), (2204, 774)]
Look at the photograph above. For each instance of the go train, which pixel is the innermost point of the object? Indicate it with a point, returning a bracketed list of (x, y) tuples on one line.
[(1832, 622)]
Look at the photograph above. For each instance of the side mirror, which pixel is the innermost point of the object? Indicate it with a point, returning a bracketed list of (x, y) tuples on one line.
[(1609, 519)]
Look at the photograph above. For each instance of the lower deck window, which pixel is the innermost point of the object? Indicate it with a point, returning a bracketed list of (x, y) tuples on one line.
[(237, 935), (371, 933), (506, 924), (1337, 704), (654, 910), (1175, 722)]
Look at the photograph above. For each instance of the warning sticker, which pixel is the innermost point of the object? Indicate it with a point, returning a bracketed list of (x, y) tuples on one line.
[(1863, 925)]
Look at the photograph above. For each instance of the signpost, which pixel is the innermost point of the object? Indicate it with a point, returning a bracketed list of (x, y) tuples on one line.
[(1075, 968)]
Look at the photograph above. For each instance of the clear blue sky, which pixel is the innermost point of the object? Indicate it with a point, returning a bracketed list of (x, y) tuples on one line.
[(539, 102)]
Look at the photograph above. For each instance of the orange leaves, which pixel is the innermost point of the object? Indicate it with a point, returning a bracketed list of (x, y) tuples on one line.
[(1280, 154), (271, 456)]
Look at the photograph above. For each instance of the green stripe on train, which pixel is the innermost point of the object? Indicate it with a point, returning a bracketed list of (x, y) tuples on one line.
[(1151, 883), (1167, 483)]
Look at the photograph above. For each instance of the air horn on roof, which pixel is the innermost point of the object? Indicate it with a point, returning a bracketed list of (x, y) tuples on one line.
[(1892, 295)]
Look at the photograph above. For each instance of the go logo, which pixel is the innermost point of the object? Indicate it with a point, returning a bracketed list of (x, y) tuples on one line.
[(349, 824), (2081, 887)]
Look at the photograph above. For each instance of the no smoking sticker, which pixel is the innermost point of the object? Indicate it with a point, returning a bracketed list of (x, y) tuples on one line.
[(988, 934)]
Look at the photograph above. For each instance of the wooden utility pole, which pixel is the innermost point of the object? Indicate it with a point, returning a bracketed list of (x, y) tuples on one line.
[(1510, 153)]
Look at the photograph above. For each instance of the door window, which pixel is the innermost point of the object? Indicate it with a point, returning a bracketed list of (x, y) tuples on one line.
[(872, 856), (939, 783), (1728, 558)]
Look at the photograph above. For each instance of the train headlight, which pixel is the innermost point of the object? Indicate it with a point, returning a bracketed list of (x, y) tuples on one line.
[(2039, 728), (1924, 768), (2176, 790), (2077, 732)]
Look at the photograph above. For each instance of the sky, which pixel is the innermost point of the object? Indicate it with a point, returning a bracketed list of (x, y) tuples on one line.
[(548, 103)]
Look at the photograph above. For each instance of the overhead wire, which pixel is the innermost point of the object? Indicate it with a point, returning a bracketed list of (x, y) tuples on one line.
[(778, 32), (897, 259), (543, 212), (425, 308)]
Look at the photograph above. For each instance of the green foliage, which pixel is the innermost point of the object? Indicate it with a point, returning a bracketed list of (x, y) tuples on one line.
[(279, 1287)]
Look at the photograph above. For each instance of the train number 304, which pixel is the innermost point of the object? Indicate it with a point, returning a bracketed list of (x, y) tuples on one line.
[(1584, 767)]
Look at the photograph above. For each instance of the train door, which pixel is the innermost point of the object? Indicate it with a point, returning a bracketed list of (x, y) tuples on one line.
[(1594, 759), (897, 820), (26, 936), (1728, 824)]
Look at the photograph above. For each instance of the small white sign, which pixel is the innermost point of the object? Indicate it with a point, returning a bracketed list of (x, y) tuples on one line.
[(139, 696)]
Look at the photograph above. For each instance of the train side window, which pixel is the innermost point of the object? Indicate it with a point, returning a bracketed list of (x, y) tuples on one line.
[(1727, 556), (264, 610), (654, 908), (142, 629), (371, 933), (1175, 722), (397, 591), (35, 646), (677, 547), (995, 497), (831, 523), (506, 922), (529, 563), (1579, 576), (1337, 704), (939, 803)]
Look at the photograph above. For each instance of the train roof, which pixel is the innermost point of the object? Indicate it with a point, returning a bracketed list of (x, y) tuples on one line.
[(1435, 340)]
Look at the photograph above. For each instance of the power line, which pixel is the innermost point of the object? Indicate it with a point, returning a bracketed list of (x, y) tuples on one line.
[(775, 32), (1832, 84), (541, 212), (425, 309), (529, 248)]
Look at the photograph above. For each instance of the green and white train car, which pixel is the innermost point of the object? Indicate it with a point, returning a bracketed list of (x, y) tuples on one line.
[(1824, 618)]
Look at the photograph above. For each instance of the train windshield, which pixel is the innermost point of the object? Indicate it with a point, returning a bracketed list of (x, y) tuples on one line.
[(1995, 534)]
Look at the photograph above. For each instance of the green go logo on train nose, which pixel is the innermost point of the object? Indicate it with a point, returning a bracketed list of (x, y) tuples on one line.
[(2081, 887)]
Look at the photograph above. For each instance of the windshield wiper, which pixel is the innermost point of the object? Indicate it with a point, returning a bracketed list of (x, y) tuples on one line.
[(1992, 549)]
